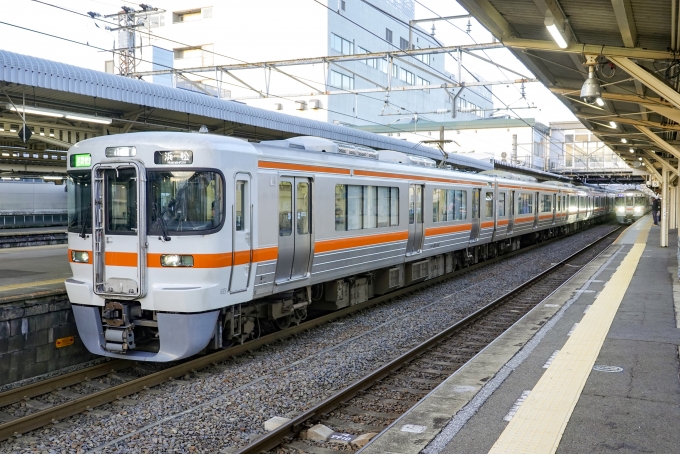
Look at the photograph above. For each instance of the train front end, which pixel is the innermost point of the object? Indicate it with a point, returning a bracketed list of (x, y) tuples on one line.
[(146, 244)]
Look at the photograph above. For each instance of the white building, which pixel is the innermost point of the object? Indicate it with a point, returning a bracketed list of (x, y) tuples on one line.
[(202, 34)]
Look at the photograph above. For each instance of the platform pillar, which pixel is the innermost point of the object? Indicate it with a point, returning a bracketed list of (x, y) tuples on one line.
[(664, 207)]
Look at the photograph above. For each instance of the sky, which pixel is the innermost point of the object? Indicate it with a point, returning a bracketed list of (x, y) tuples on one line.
[(83, 44)]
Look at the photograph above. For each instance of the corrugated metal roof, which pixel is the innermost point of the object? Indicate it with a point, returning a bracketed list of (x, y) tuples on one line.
[(39, 73)]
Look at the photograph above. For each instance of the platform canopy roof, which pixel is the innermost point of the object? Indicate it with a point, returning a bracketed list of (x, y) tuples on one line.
[(631, 42), (136, 105)]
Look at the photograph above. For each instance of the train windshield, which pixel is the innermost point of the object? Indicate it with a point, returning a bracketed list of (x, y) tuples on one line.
[(629, 201), (79, 197), (620, 201), (185, 201), (640, 201)]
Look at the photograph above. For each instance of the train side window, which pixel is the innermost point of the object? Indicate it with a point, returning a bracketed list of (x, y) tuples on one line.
[(340, 207), (239, 221), (546, 204), (355, 207), (501, 204), (394, 206), (370, 207), (488, 199), (439, 205), (285, 208), (302, 207)]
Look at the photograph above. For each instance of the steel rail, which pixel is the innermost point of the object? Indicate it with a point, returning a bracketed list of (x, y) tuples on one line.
[(49, 415), (290, 428), (45, 386)]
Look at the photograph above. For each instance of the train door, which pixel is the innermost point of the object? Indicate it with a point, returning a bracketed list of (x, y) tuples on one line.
[(119, 230), (511, 212), (415, 219), (476, 209), (537, 209), (295, 232), (242, 246)]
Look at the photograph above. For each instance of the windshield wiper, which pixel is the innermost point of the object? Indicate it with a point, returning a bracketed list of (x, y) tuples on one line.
[(82, 228), (161, 223)]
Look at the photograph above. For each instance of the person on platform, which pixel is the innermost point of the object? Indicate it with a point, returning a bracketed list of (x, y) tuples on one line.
[(656, 205)]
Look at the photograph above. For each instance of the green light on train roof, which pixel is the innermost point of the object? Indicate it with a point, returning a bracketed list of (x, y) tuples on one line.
[(81, 160)]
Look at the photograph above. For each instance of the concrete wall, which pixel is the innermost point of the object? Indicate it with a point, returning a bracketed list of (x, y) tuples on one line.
[(28, 331)]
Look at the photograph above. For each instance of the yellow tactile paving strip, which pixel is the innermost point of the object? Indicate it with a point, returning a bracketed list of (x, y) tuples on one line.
[(538, 425)]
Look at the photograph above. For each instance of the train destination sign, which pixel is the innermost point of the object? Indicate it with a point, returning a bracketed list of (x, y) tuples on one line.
[(173, 157)]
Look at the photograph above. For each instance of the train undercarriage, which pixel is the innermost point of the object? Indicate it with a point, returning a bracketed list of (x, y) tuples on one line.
[(127, 326)]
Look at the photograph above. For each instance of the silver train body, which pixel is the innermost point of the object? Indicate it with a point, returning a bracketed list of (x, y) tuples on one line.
[(631, 205), (180, 242), (32, 203)]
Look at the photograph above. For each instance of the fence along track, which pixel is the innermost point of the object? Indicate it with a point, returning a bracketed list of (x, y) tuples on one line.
[(87, 402), (276, 437)]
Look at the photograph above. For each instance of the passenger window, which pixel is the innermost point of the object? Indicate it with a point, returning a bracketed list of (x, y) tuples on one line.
[(411, 205), (546, 204), (340, 207), (501, 204), (394, 206), (239, 221), (370, 207), (489, 205), (285, 208), (365, 207), (302, 208)]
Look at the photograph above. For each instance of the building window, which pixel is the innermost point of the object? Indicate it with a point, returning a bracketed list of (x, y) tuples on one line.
[(342, 5), (191, 15), (341, 45), (407, 76), (377, 63), (425, 58), (422, 82), (343, 81), (388, 35), (403, 44)]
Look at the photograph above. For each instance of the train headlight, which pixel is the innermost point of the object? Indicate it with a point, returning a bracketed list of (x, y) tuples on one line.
[(638, 209), (620, 209), (177, 260), (80, 256)]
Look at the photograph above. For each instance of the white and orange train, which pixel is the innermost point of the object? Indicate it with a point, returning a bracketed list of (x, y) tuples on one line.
[(180, 242)]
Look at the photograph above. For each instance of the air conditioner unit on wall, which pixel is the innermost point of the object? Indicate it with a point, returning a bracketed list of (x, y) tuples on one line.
[(300, 105), (314, 104)]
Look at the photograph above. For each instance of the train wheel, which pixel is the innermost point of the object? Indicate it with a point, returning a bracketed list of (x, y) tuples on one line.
[(283, 322)]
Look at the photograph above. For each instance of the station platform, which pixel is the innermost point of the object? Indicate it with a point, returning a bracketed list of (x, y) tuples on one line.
[(27, 271), (593, 368)]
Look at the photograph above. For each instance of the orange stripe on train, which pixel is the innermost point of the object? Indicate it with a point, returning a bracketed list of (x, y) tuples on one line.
[(358, 241)]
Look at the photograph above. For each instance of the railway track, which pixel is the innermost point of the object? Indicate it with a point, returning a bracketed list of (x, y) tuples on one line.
[(398, 385), (49, 401)]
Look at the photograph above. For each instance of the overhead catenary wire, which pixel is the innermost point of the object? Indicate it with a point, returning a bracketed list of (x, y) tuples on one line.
[(150, 35), (108, 50)]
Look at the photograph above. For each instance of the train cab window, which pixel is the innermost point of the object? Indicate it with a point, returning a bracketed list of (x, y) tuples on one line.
[(488, 205), (302, 208), (639, 201), (239, 221), (185, 201), (121, 200), (285, 208), (79, 201), (501, 204)]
